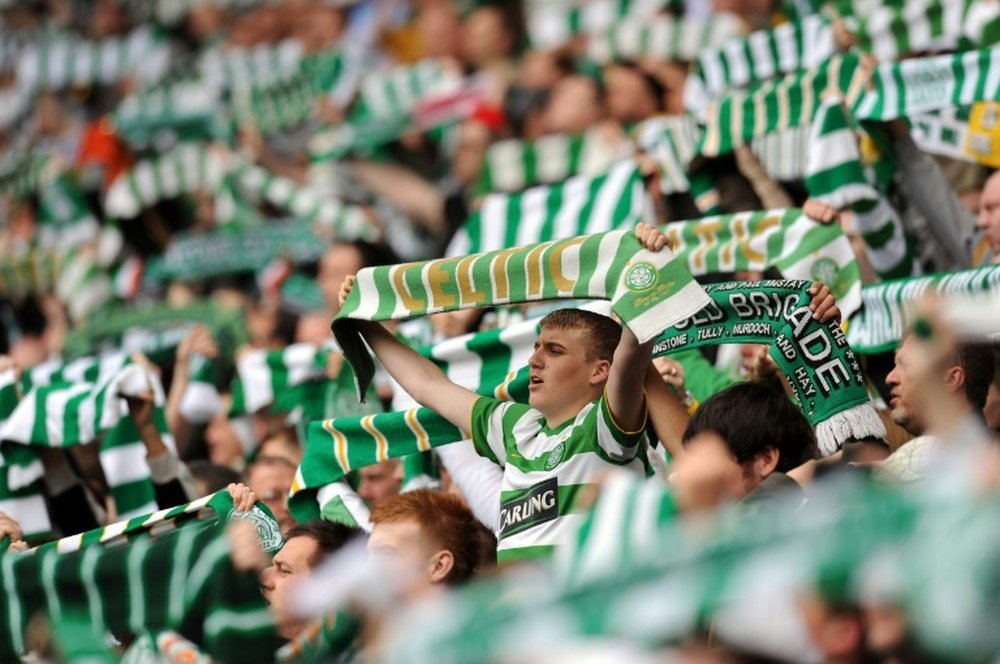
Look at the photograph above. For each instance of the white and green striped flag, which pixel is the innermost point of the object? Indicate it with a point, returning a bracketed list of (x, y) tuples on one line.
[(514, 165), (62, 60), (921, 85), (787, 240), (760, 56), (662, 37), (889, 306), (581, 205), (552, 24)]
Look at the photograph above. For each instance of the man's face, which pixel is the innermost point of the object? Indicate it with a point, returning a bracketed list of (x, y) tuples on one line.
[(992, 408), (560, 372), (338, 262), (288, 567), (989, 213), (902, 398), (272, 482), (404, 550), (629, 98), (379, 482)]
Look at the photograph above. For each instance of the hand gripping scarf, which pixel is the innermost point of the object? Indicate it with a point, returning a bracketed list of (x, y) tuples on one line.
[(821, 368), (649, 291)]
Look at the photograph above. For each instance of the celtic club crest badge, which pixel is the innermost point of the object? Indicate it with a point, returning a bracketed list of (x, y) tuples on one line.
[(640, 277)]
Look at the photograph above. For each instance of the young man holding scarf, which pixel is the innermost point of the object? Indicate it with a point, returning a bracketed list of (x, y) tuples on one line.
[(586, 410)]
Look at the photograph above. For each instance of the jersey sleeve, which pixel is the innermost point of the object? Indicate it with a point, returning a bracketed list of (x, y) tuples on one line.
[(618, 446), (487, 428)]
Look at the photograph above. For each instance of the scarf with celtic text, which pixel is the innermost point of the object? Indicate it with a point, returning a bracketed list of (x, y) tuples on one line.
[(648, 290), (821, 368), (662, 37)]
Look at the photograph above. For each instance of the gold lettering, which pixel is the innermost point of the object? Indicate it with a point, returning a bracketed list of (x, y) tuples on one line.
[(739, 236), (399, 281), (754, 257), (438, 276), (706, 232), (501, 285), (562, 282), (533, 268), (466, 292)]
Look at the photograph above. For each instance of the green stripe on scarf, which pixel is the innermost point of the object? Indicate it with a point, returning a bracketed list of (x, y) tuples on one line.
[(648, 290), (822, 370), (787, 240), (888, 306)]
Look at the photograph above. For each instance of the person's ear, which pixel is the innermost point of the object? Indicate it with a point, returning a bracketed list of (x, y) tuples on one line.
[(602, 369), (441, 564), (954, 378), (765, 462)]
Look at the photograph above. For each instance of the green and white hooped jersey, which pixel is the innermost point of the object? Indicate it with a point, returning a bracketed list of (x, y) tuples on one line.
[(547, 471)]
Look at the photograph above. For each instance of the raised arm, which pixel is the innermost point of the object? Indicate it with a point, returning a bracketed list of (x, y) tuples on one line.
[(628, 369), (421, 378)]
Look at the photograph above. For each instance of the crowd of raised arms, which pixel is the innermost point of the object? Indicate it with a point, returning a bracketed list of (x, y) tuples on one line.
[(499, 330)]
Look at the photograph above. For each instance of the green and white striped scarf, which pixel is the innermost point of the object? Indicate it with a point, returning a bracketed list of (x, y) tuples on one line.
[(779, 104), (662, 37), (514, 165), (328, 215), (188, 109), (835, 173), (551, 25), (787, 240), (194, 256), (892, 31), (182, 170), (397, 91), (760, 56), (155, 330), (65, 219), (171, 12), (920, 85), (62, 60), (822, 370), (293, 377), (630, 554), (492, 363), (581, 205), (63, 413), (888, 306), (181, 580), (21, 490), (966, 133), (260, 66), (33, 271), (24, 174), (673, 141), (649, 291)]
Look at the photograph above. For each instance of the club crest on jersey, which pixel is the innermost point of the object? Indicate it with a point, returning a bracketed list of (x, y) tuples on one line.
[(537, 505), (555, 457)]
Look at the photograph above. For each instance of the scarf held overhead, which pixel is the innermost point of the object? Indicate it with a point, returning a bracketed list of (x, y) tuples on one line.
[(821, 368), (648, 290)]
